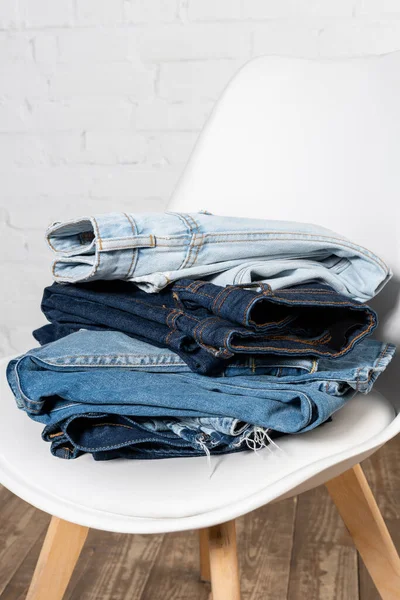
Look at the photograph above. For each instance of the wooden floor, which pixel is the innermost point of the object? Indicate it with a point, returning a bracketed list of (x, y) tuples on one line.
[(297, 550)]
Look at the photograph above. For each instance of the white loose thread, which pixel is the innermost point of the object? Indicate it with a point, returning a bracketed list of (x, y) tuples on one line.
[(203, 446), (258, 438)]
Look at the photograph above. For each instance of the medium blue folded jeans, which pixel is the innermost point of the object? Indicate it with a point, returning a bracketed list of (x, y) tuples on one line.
[(154, 250), (111, 377), (208, 324)]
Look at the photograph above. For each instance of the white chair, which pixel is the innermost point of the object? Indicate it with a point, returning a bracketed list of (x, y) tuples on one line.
[(316, 141)]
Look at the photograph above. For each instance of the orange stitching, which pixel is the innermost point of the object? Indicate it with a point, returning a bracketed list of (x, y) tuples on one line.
[(173, 326), (185, 217), (219, 298), (285, 350), (202, 324), (256, 297), (321, 340), (194, 286), (224, 298), (198, 249), (182, 216), (288, 318), (222, 291)]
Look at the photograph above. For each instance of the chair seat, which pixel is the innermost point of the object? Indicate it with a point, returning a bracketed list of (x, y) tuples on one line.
[(175, 494)]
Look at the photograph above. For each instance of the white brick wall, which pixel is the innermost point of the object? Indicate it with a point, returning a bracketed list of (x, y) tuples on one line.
[(101, 102)]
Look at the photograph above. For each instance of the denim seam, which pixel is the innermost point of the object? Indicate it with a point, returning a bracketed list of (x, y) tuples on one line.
[(358, 379), (19, 387), (303, 237), (182, 375), (323, 339), (202, 324), (372, 370), (216, 298), (124, 444), (192, 287), (381, 356), (198, 336), (187, 263), (195, 292), (319, 352), (173, 325), (203, 294), (182, 218), (112, 424), (198, 246), (254, 324), (192, 226), (253, 300), (97, 232), (134, 250), (223, 299), (132, 366), (349, 303), (138, 235)]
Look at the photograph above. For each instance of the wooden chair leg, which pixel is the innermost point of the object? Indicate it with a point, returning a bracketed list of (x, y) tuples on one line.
[(357, 507), (204, 555), (60, 551), (224, 567)]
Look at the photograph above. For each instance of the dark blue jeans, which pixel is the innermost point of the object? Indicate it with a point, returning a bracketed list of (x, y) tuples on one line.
[(121, 436), (206, 324)]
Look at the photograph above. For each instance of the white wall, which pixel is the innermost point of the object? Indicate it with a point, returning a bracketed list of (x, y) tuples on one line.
[(101, 102)]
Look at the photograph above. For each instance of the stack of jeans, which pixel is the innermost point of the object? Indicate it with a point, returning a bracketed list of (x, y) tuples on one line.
[(187, 334)]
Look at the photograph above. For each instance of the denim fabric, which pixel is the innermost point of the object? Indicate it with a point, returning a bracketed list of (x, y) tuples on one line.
[(94, 372), (191, 317), (117, 436), (156, 249)]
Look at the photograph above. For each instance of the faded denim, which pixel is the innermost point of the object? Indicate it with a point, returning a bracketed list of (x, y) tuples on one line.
[(154, 250), (95, 373)]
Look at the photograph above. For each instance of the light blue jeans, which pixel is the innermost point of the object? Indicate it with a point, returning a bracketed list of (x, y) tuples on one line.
[(155, 249)]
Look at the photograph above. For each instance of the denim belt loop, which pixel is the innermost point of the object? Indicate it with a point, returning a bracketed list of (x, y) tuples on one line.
[(266, 289), (132, 241)]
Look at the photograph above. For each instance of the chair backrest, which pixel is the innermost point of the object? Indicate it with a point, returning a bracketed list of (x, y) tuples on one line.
[(308, 140)]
